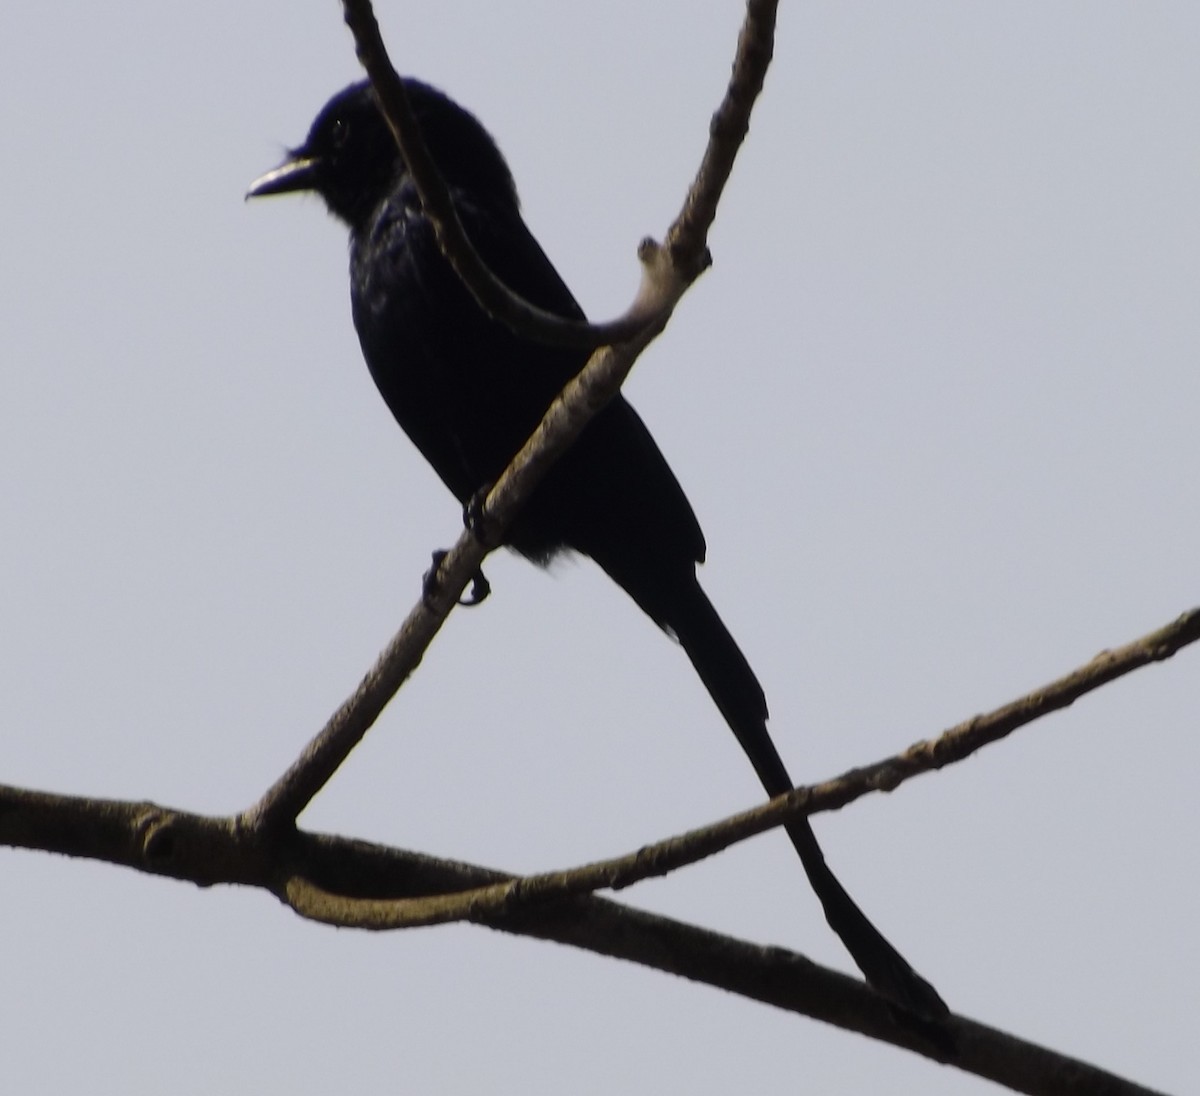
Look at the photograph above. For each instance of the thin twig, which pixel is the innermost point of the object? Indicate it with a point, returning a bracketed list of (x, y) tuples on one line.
[(687, 236), (670, 854), (493, 296)]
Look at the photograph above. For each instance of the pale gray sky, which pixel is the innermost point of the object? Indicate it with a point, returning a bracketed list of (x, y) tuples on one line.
[(935, 405)]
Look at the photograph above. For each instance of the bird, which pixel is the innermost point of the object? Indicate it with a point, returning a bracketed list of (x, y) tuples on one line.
[(468, 391)]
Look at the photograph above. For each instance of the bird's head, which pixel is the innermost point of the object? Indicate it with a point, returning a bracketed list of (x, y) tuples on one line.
[(352, 161)]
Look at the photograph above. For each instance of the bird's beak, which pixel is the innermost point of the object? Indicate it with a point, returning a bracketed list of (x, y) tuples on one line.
[(297, 172)]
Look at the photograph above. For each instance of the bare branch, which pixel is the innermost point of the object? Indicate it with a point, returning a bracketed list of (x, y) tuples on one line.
[(562, 423), (492, 295), (207, 851), (661, 283), (344, 882), (965, 738), (670, 854), (686, 238), (282, 803)]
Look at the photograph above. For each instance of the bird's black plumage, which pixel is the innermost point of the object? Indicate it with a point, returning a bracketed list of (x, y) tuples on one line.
[(469, 392)]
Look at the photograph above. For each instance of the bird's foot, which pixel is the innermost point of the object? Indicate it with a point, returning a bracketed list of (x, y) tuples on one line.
[(480, 590), (431, 583), (478, 521)]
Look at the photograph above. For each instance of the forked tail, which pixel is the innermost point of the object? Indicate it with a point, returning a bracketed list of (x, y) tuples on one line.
[(731, 682)]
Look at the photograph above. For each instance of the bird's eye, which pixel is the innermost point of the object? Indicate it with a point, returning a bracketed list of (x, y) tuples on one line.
[(340, 133)]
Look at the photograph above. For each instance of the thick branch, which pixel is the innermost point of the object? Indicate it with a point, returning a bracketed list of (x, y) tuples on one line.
[(207, 851), (344, 882)]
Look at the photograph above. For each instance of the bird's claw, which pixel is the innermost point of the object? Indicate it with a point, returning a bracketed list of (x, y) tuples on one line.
[(480, 589), (431, 584), (477, 519)]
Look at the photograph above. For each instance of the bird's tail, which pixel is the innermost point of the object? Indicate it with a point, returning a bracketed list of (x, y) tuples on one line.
[(739, 696)]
